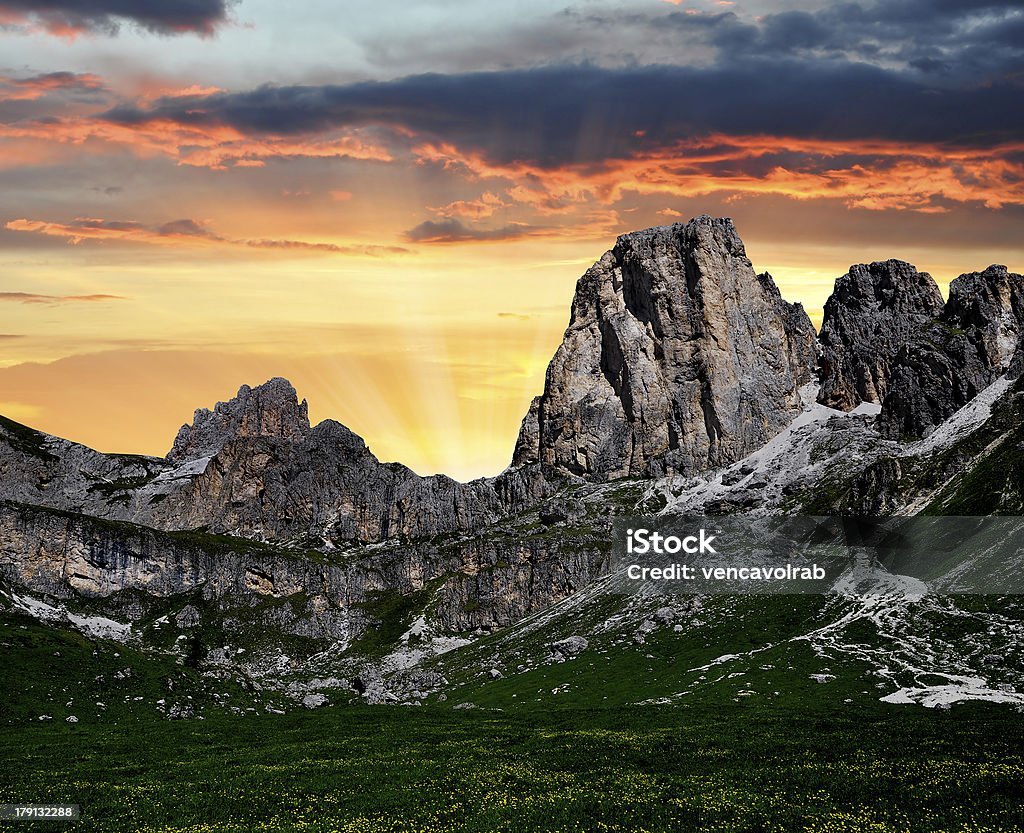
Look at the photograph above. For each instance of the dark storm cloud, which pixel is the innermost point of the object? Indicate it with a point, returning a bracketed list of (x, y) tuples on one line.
[(582, 113), (955, 41), (68, 17), (455, 231), (965, 40)]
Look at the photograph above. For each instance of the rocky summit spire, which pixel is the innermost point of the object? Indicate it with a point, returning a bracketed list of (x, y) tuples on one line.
[(949, 360), (870, 315), (677, 358), (270, 410)]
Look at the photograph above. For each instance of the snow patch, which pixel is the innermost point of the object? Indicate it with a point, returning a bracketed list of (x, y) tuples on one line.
[(190, 468), (943, 696), (964, 421), (99, 627), (867, 409)]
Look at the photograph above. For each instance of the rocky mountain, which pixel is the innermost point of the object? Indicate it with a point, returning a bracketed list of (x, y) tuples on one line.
[(677, 358), (271, 410), (888, 339), (951, 358), (684, 383), (868, 318), (254, 467)]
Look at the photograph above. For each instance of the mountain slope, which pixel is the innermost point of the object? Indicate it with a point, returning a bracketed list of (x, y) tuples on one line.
[(268, 549)]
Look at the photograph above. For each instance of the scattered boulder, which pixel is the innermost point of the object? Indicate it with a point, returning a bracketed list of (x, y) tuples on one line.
[(378, 695), (731, 477), (314, 701), (568, 648), (665, 615), (188, 617), (180, 711), (427, 681)]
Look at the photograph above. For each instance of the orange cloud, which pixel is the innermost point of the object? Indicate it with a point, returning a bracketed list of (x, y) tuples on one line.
[(21, 23), (185, 232), (33, 298), (484, 206), (208, 146), (874, 175), (155, 92), (37, 86)]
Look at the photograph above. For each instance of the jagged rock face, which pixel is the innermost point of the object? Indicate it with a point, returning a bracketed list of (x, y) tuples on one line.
[(870, 315), (990, 305), (801, 338), (327, 486), (254, 467), (527, 450), (948, 361), (270, 410), (38, 468), (677, 358), (476, 583)]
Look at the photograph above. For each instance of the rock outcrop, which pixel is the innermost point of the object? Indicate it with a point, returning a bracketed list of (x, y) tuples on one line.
[(869, 317), (947, 361), (270, 410), (477, 583), (677, 358), (254, 467), (801, 338)]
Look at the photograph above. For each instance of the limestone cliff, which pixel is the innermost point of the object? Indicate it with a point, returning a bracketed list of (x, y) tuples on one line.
[(948, 361), (870, 315), (677, 358)]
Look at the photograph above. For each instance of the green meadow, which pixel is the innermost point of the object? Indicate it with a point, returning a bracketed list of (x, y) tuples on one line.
[(796, 756), (398, 769)]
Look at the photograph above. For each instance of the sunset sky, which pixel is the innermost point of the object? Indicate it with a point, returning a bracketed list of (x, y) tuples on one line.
[(389, 203)]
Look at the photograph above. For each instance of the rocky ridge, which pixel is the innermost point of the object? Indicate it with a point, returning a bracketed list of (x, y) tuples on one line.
[(684, 382), (869, 316), (254, 467), (677, 358), (950, 359)]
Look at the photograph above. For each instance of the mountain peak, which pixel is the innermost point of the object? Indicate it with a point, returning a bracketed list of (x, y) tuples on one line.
[(701, 232), (268, 410), (870, 314), (677, 357)]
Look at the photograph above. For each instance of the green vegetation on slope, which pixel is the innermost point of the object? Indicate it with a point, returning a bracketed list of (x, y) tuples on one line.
[(644, 769)]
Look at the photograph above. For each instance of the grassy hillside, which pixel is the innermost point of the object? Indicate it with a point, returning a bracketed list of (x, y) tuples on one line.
[(648, 768), (794, 754)]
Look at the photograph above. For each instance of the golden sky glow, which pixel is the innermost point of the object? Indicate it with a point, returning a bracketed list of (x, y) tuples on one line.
[(180, 215)]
